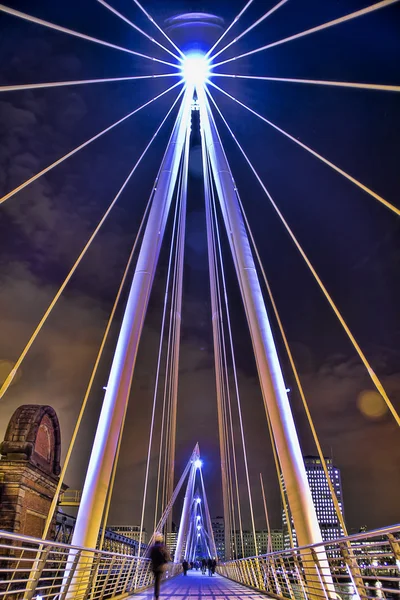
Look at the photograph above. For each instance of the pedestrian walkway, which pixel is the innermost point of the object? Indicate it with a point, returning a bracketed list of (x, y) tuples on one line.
[(195, 586)]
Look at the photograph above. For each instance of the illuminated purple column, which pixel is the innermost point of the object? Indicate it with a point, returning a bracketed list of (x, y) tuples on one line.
[(119, 383), (187, 505), (269, 370)]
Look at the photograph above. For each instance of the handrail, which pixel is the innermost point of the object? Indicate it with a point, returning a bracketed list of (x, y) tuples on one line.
[(31, 568), (362, 566)]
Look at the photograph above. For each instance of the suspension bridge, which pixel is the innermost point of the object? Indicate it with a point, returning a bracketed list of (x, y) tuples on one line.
[(365, 565)]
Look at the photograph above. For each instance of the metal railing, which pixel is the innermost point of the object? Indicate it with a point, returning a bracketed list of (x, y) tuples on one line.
[(70, 498), (361, 566), (31, 568)]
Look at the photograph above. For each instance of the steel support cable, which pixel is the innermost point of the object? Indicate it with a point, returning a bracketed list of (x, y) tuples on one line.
[(348, 17), (78, 34), (207, 516), (165, 410), (170, 372), (269, 546), (225, 429), (55, 84), (313, 152), (149, 451), (160, 349), (171, 502), (229, 419), (54, 502), (136, 28), (280, 479), (246, 31), (345, 84), (168, 382), (150, 18), (223, 354), (225, 441), (83, 252), (81, 146), (274, 451), (374, 378), (111, 486), (235, 377), (75, 432), (177, 312), (295, 373), (227, 489), (227, 30)]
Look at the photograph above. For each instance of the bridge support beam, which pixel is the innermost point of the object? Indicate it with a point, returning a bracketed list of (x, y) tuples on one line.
[(119, 383), (228, 525), (186, 509), (269, 370)]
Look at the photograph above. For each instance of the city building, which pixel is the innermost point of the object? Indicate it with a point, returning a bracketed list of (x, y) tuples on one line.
[(249, 548), (218, 525), (171, 538), (129, 531), (325, 509)]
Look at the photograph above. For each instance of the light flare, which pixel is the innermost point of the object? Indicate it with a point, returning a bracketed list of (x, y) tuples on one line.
[(195, 69)]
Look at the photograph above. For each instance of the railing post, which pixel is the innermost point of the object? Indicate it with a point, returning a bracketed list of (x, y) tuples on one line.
[(319, 573), (93, 566), (287, 580), (395, 546), (130, 573), (120, 575), (106, 580), (353, 570), (65, 585), (277, 584), (300, 576), (37, 572)]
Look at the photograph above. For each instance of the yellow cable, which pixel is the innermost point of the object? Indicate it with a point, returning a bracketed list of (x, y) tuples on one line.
[(80, 147), (53, 505), (313, 152), (296, 376), (43, 320), (345, 84), (376, 381), (350, 16)]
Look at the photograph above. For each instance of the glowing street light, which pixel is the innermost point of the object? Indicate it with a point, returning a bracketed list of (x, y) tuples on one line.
[(198, 463), (198, 500), (195, 69)]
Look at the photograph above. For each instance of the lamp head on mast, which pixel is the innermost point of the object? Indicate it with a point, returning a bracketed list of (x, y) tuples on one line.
[(195, 69)]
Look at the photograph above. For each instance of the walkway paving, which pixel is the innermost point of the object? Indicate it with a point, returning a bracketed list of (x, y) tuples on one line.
[(195, 586)]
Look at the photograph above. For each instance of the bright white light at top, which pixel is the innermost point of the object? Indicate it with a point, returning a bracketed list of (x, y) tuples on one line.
[(198, 500), (198, 464), (195, 69)]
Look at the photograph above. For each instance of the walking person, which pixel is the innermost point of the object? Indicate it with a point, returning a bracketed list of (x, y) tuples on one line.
[(213, 566), (185, 567), (209, 565), (159, 557), (203, 566)]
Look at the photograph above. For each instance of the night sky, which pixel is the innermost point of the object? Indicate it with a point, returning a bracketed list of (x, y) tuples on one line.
[(351, 239)]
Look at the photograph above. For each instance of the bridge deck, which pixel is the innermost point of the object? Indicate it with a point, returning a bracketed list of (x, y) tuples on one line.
[(195, 586)]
